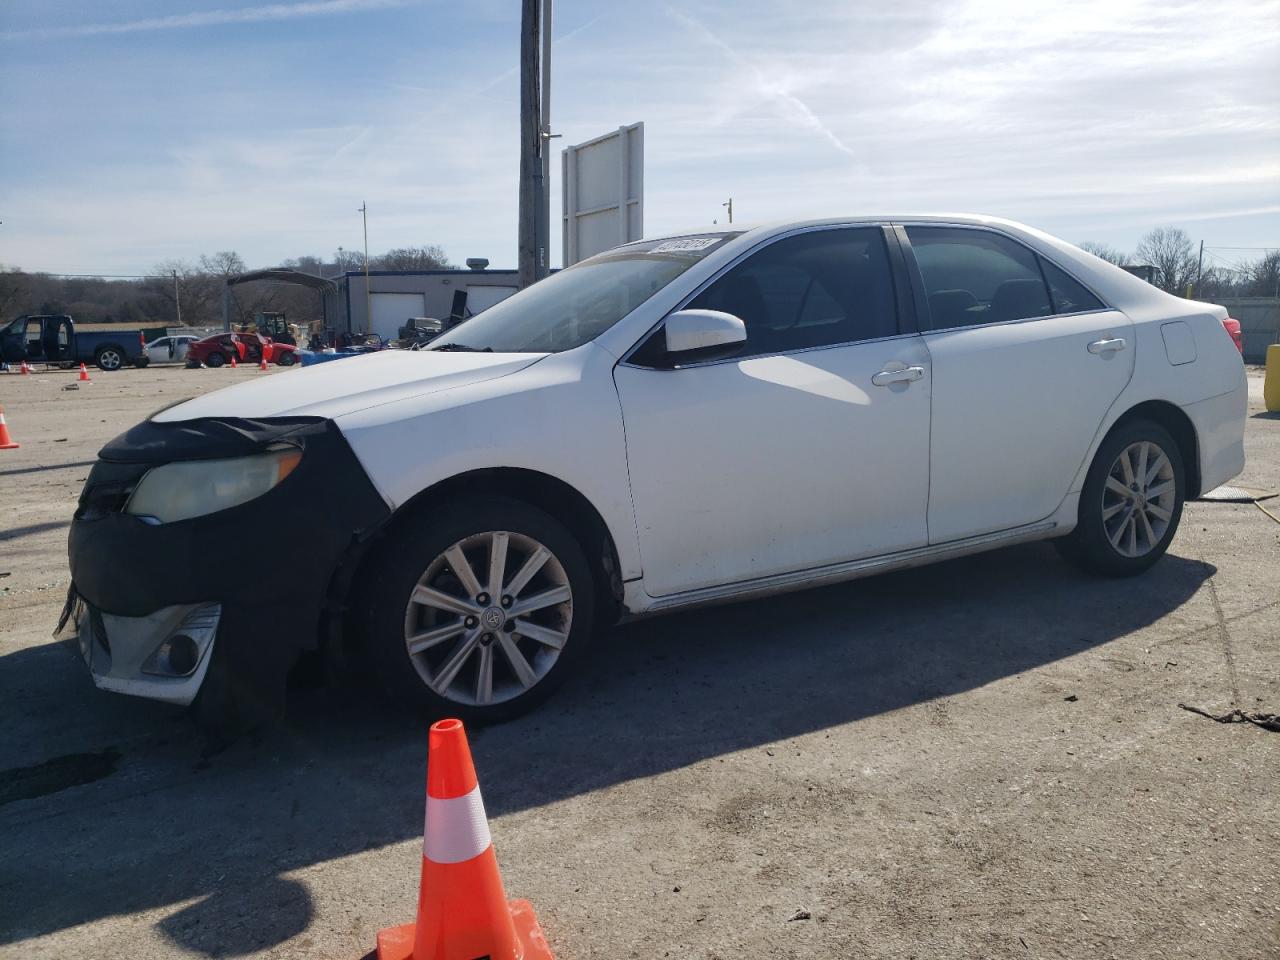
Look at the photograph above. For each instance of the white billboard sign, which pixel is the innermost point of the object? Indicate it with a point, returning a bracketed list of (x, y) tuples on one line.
[(603, 192)]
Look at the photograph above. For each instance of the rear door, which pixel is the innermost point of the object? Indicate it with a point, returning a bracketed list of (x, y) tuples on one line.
[(1026, 363)]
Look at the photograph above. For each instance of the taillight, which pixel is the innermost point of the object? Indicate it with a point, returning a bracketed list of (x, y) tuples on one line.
[(1233, 329)]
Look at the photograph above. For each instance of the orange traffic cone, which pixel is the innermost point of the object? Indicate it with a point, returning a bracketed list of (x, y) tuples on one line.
[(25, 370), (233, 361), (84, 375), (262, 364), (6, 442), (463, 912)]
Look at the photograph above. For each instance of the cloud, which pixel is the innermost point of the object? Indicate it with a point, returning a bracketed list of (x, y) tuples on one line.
[(776, 89), (208, 18)]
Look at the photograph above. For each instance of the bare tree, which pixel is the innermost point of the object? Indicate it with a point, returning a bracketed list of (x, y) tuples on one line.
[(1105, 252), (1263, 277), (430, 257), (351, 261), (13, 289), (1170, 251)]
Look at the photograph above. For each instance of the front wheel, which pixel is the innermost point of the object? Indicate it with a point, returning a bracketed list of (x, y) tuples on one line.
[(141, 362), (215, 359), (1131, 502), (480, 612), (285, 359)]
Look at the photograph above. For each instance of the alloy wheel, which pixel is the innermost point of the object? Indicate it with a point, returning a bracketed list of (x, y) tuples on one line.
[(1138, 499), (109, 360), (488, 618)]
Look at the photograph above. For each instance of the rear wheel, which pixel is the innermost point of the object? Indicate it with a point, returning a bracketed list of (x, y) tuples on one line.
[(1131, 502), (109, 358), (215, 359), (480, 612), (285, 359)]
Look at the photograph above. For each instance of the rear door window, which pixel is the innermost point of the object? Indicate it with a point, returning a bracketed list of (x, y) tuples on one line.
[(974, 277), (1069, 295)]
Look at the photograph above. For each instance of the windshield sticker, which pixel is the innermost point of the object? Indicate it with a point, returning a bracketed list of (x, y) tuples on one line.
[(686, 245)]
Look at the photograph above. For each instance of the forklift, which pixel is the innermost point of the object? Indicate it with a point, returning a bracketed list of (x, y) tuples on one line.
[(271, 324)]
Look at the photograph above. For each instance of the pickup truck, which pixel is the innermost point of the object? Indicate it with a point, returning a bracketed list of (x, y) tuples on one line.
[(54, 339)]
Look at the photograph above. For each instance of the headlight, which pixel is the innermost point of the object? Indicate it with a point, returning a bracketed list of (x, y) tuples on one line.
[(193, 488)]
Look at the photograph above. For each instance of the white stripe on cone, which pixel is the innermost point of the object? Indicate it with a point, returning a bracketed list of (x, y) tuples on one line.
[(456, 830)]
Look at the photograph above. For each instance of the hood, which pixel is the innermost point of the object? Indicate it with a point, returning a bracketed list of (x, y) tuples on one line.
[(347, 385)]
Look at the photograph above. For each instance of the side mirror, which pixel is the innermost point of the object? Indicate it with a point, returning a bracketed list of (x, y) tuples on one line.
[(702, 335)]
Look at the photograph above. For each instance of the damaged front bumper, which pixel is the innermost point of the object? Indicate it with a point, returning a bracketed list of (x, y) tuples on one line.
[(162, 656), (227, 599)]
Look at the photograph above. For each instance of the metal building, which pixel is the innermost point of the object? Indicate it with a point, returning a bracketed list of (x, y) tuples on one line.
[(391, 298), (394, 296)]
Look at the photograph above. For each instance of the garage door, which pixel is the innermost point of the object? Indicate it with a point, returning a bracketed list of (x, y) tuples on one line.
[(391, 311), (482, 297)]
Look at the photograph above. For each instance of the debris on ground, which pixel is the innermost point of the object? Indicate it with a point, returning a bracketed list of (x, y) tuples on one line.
[(799, 915), (1267, 721)]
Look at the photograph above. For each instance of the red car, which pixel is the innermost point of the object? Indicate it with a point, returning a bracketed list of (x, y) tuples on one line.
[(245, 347)]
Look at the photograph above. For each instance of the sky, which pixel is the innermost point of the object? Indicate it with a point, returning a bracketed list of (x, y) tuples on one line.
[(140, 131)]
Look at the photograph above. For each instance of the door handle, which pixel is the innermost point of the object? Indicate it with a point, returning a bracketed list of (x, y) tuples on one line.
[(1102, 346), (901, 375)]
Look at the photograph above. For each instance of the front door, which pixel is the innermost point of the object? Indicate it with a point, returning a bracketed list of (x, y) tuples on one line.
[(808, 448), (1026, 363)]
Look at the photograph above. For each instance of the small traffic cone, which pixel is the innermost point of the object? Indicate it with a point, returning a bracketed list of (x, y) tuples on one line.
[(6, 442), (463, 913), (25, 371), (84, 374), (233, 361), (262, 364)]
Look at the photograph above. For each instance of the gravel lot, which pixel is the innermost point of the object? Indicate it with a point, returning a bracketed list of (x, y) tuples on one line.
[(984, 758)]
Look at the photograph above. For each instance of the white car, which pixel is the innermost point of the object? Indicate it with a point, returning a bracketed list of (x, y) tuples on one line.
[(678, 421), (168, 349)]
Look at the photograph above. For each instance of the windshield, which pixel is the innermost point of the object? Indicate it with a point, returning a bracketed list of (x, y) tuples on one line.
[(576, 305)]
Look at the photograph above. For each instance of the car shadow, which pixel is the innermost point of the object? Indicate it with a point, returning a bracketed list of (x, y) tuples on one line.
[(343, 773)]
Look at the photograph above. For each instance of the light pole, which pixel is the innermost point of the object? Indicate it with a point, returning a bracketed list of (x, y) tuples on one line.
[(368, 297), (729, 204)]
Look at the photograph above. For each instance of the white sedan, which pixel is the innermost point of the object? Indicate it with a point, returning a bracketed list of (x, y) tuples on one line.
[(678, 421), (168, 349)]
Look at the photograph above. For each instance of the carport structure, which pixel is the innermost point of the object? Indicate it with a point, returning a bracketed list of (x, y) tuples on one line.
[(278, 275)]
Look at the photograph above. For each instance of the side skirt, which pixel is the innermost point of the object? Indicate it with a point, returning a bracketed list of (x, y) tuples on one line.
[(640, 604)]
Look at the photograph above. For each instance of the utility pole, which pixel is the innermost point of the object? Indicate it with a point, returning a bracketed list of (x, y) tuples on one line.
[(543, 265), (1199, 268), (368, 297), (177, 299), (532, 185), (729, 204)]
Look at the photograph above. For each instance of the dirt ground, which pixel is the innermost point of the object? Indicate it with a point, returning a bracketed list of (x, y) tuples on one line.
[(984, 759)]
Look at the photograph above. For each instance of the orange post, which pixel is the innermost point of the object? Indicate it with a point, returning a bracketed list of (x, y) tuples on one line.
[(6, 442), (463, 912)]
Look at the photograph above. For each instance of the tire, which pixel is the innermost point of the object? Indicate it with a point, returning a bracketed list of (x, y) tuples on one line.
[(414, 557), (109, 359), (215, 359), (1123, 534), (141, 362), (286, 359)]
